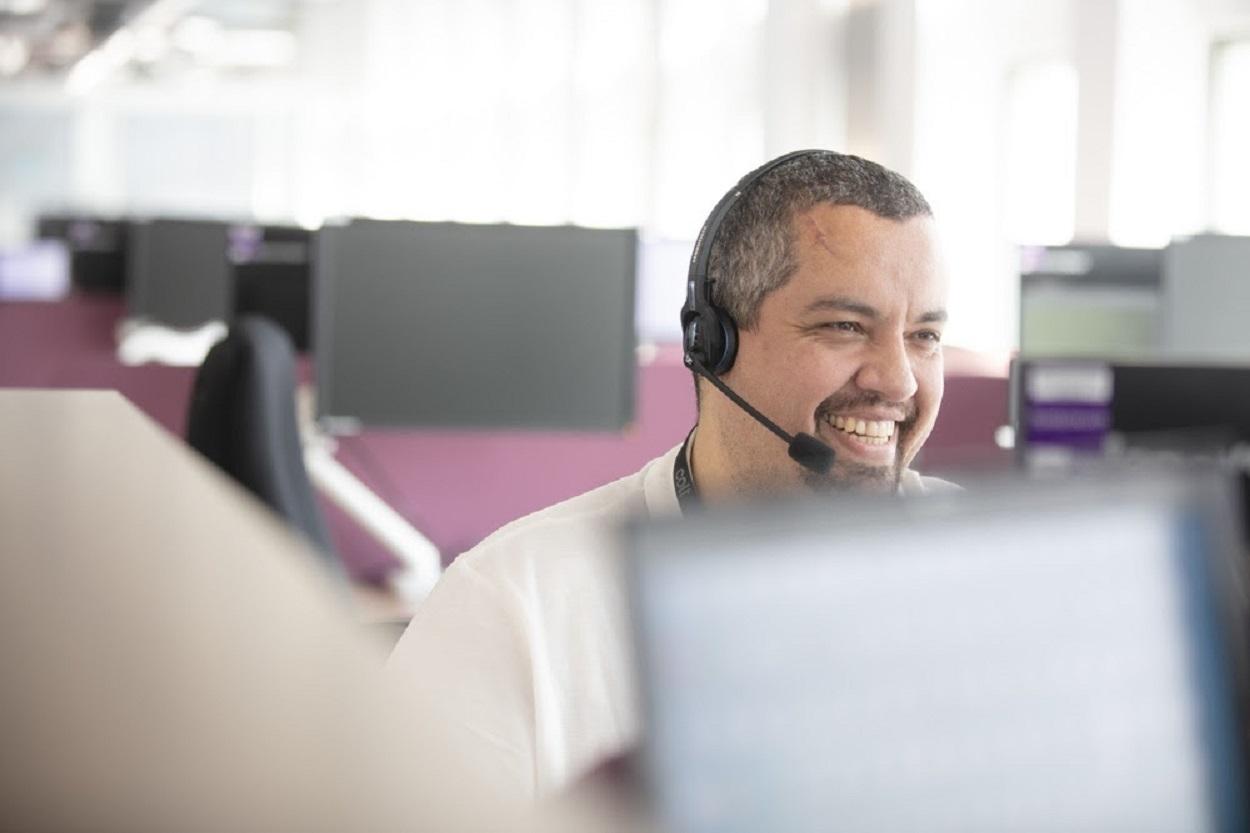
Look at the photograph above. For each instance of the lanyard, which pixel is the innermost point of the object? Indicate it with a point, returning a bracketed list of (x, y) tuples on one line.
[(683, 478)]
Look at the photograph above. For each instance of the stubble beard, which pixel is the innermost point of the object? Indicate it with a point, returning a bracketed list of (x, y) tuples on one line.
[(851, 477)]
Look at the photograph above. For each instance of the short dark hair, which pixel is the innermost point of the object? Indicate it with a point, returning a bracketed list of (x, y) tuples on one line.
[(754, 250)]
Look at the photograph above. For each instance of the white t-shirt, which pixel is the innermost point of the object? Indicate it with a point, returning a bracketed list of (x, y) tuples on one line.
[(520, 656)]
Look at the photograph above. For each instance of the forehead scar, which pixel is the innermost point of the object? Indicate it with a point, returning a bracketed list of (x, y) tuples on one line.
[(820, 235)]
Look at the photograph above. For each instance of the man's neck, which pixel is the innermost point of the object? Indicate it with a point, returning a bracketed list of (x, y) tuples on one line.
[(709, 467)]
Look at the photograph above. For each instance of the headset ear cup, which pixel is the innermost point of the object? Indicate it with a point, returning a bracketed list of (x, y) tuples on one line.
[(709, 340), (692, 342), (728, 342)]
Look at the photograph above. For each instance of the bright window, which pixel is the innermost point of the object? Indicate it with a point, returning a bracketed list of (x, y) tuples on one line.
[(1040, 147), (1230, 138)]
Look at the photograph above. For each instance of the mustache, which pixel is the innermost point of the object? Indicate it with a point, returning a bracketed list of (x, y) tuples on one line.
[(865, 399)]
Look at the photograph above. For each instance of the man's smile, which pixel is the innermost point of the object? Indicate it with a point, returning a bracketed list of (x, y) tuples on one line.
[(873, 442), (870, 431)]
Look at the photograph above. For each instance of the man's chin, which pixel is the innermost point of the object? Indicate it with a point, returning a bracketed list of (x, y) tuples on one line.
[(857, 478)]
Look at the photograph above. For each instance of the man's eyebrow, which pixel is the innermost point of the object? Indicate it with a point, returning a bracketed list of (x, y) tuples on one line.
[(842, 304)]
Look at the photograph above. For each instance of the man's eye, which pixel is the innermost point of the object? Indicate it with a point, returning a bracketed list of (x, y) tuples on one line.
[(844, 326), (930, 336)]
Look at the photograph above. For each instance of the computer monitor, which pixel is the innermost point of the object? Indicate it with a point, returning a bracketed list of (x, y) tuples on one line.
[(178, 273), (1206, 291), (1067, 409), (474, 326), (36, 271), (1034, 659), (272, 273), (97, 247), (1090, 299)]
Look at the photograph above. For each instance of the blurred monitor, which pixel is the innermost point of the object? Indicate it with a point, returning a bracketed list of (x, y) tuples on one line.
[(272, 273), (1063, 409), (36, 271), (97, 249), (1206, 293), (474, 326), (1090, 299), (178, 272), (1068, 414), (1042, 660)]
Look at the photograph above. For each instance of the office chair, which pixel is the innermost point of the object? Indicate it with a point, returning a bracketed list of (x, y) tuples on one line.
[(242, 418)]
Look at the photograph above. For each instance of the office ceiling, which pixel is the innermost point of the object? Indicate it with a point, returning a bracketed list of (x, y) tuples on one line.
[(47, 38)]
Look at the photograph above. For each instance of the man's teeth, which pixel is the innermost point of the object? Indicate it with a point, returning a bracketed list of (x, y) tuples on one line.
[(871, 431)]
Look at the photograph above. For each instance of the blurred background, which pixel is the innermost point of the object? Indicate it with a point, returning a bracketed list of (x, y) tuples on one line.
[(1074, 151), (1023, 122)]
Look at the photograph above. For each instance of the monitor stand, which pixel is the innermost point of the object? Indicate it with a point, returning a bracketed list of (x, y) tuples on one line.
[(421, 562)]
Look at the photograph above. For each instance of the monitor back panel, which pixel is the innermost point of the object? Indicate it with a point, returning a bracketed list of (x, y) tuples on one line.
[(179, 275), (273, 277), (97, 249), (1206, 292), (440, 324)]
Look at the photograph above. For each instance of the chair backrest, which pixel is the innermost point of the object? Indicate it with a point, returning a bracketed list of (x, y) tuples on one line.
[(242, 418)]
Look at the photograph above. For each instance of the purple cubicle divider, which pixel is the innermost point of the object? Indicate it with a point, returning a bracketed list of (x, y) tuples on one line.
[(455, 486), (459, 486), (70, 344)]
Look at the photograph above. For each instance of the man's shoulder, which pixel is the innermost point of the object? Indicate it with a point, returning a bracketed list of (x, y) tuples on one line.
[(587, 516)]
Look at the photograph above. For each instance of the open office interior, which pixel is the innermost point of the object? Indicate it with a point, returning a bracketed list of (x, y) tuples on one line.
[(326, 322)]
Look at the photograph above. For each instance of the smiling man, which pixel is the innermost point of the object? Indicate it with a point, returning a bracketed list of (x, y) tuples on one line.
[(827, 267), (824, 299)]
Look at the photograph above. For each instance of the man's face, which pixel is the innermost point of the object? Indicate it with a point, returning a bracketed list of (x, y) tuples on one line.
[(848, 350)]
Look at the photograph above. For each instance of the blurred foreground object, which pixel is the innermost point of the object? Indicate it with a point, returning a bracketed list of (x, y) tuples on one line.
[(174, 659), (1035, 658)]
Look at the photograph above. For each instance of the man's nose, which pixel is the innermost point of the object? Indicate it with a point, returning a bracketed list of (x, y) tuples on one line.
[(887, 371)]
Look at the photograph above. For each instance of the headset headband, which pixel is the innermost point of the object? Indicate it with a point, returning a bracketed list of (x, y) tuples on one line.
[(709, 334), (702, 254)]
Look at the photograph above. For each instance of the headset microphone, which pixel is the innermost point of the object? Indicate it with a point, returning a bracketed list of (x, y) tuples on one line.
[(804, 449), (710, 335)]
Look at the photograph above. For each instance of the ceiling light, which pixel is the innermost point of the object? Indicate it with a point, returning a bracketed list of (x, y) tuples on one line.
[(23, 6)]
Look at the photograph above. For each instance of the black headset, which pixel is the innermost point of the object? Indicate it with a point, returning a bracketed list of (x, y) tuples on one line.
[(709, 333)]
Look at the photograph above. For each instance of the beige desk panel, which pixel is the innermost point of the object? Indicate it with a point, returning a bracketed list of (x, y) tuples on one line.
[(172, 657), (76, 463)]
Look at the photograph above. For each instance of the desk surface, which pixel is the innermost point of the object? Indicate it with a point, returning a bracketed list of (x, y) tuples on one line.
[(173, 656)]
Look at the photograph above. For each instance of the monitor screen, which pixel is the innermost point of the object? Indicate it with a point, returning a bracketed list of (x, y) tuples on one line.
[(475, 326), (37, 271), (178, 272), (1040, 661), (1090, 299)]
